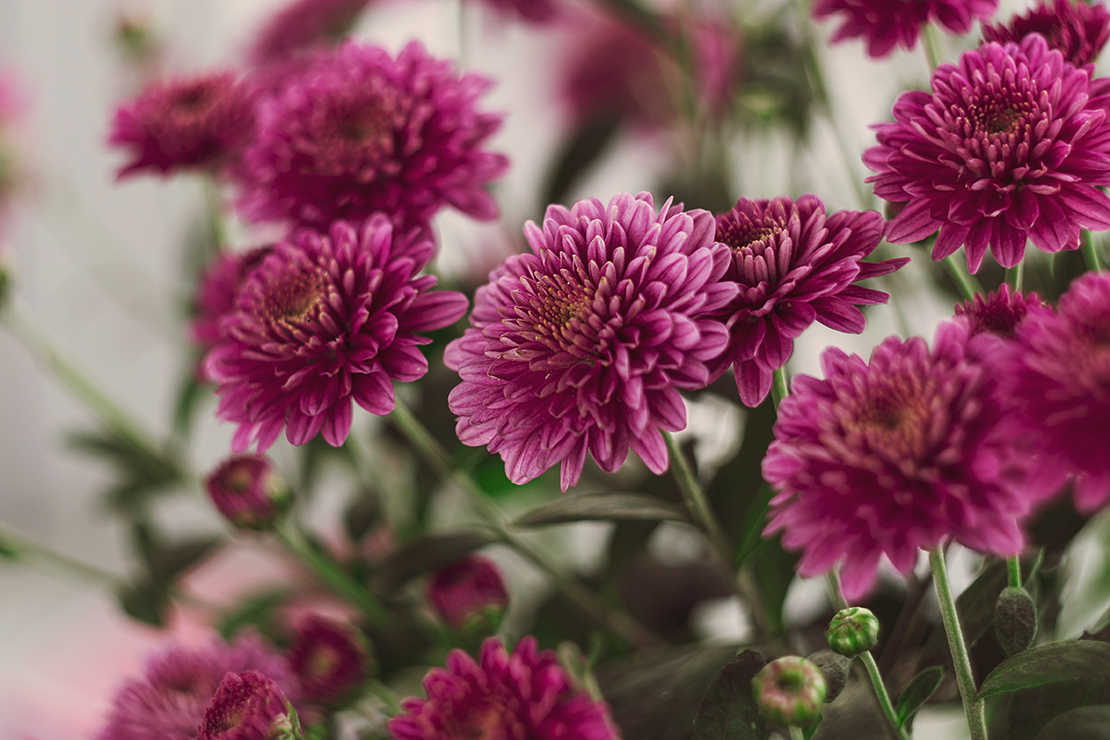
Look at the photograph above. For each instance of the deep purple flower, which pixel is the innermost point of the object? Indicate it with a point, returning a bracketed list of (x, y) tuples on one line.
[(247, 706), (584, 344), (248, 492), (169, 701), (330, 659), (1063, 386), (302, 25), (1078, 30), (901, 453), (794, 265), (524, 696), (884, 24), (325, 320), (998, 313), (197, 123), (216, 291), (469, 594), (1008, 147), (359, 132)]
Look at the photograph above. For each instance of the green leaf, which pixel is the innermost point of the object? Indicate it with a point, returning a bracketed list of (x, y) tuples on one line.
[(145, 602), (170, 561), (257, 611), (728, 711), (1085, 723), (773, 570), (1071, 660), (590, 507), (364, 511), (426, 553), (142, 473), (917, 692), (578, 152)]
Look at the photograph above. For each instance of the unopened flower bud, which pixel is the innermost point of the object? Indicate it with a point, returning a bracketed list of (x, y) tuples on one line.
[(852, 631), (470, 595), (248, 706), (1015, 620), (330, 659), (835, 668), (789, 691), (248, 491)]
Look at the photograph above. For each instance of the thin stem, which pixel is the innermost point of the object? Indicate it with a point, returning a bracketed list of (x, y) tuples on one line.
[(780, 386), (1013, 571), (1016, 275), (214, 210), (931, 48), (18, 548), (331, 573), (435, 456), (961, 661), (796, 733), (1090, 254), (967, 283)]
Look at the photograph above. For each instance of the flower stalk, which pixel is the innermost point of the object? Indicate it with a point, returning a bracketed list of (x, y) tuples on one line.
[(961, 661), (966, 283), (1090, 253)]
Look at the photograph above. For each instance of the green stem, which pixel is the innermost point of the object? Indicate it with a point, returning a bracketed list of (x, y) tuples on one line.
[(16, 547), (780, 386), (832, 580), (435, 456), (214, 209), (331, 573), (961, 661), (796, 733), (1013, 571), (1016, 275), (1090, 254), (931, 48), (967, 283)]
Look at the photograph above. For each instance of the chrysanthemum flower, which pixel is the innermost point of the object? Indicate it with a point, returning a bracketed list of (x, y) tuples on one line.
[(359, 132), (248, 492), (583, 344), (324, 321), (884, 24), (247, 706), (169, 701), (902, 453), (1078, 30), (525, 696), (216, 291), (795, 265), (469, 594), (330, 659), (197, 123), (301, 25), (1063, 386), (1007, 147), (998, 313)]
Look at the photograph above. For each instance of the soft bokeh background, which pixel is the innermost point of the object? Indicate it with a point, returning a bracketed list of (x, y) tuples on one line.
[(101, 264)]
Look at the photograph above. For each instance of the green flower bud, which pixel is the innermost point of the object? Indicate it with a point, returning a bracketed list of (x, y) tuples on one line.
[(835, 668), (1015, 620), (852, 631), (789, 691)]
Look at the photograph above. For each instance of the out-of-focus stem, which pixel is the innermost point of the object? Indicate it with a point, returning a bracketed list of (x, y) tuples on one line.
[(18, 548), (967, 283), (931, 48), (780, 386), (961, 661), (1090, 254), (1016, 275)]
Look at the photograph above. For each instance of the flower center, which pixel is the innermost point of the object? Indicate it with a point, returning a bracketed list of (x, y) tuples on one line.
[(558, 313), (749, 237), (294, 298), (1003, 114), (895, 419), (350, 135), (489, 722)]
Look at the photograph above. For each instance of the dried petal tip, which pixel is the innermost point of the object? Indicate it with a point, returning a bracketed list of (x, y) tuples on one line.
[(790, 691), (469, 595), (248, 706), (330, 659), (998, 313), (853, 631), (248, 492), (1015, 620)]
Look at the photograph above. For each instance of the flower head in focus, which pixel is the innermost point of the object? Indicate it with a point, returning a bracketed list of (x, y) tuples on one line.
[(1076, 28), (301, 25), (168, 702), (190, 123), (359, 132), (794, 264), (901, 453), (469, 594), (1063, 387), (247, 706), (330, 659), (885, 24), (1010, 145), (583, 344), (525, 695), (326, 320), (998, 313)]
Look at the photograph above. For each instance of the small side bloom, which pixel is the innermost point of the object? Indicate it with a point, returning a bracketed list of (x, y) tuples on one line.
[(469, 595), (1078, 30), (583, 344), (330, 660), (1010, 145), (794, 265), (325, 321), (526, 694), (248, 492), (998, 313), (885, 24), (247, 706), (198, 123), (902, 453)]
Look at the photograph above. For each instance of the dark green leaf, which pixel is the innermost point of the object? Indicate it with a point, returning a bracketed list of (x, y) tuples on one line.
[(1085, 723), (1071, 660), (773, 571), (578, 152), (142, 472), (728, 711), (363, 513), (189, 395), (424, 554), (917, 692), (256, 612), (590, 507), (145, 602), (8, 550), (170, 561)]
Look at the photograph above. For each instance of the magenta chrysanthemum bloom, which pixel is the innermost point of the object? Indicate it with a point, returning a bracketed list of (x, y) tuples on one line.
[(998, 313), (247, 706), (469, 594), (324, 321), (301, 25), (359, 132), (248, 492), (583, 344), (901, 453), (524, 696), (169, 701), (884, 24), (1008, 147), (216, 291), (330, 659), (1078, 30), (1063, 386), (794, 265), (197, 123)]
